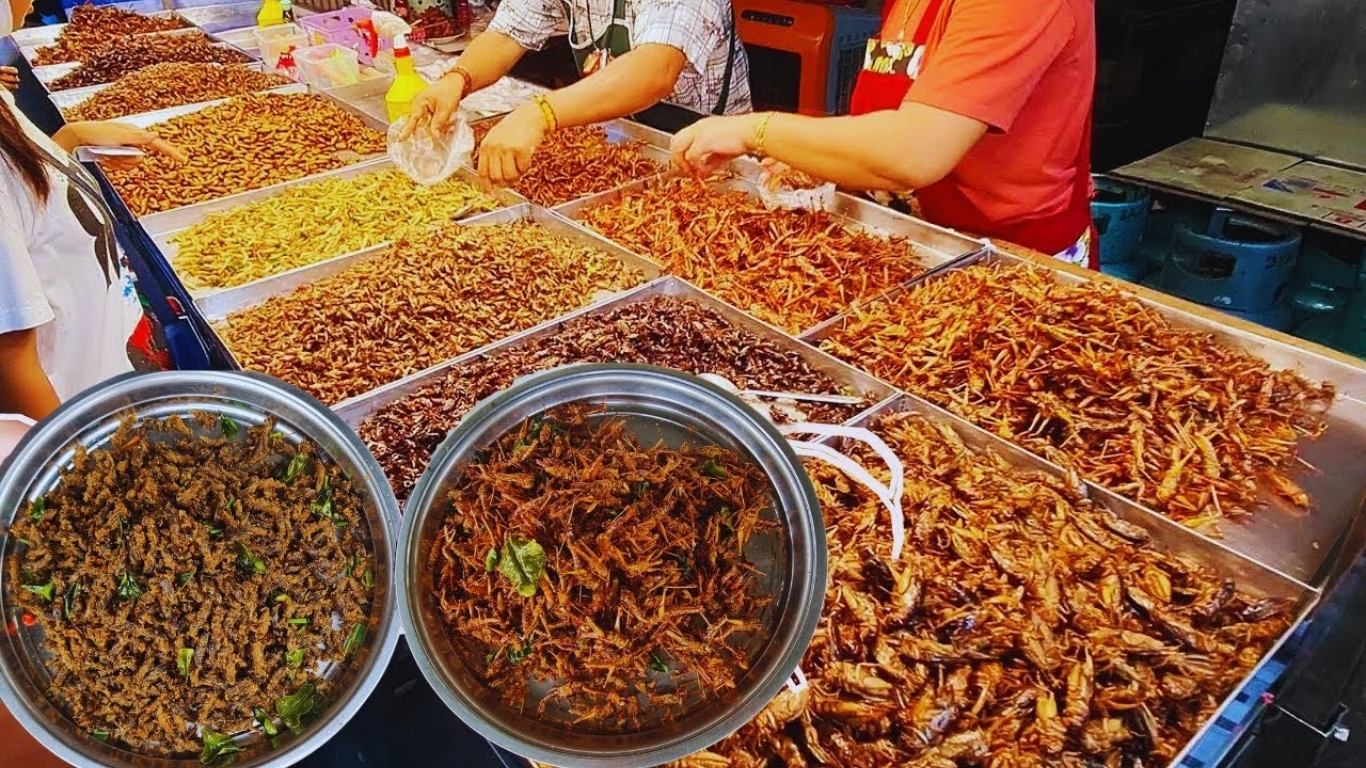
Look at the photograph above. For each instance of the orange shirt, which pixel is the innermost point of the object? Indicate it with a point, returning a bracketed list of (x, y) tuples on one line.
[(1026, 68)]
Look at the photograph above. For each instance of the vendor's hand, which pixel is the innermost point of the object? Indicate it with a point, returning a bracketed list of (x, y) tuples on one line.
[(104, 133), (9, 78), (505, 153), (435, 107), (712, 142)]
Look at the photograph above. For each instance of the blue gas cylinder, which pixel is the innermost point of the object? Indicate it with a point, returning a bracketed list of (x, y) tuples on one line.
[(1120, 213), (1351, 334), (1237, 262)]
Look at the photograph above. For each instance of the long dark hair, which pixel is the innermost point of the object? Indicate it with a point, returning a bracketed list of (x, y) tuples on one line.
[(22, 154)]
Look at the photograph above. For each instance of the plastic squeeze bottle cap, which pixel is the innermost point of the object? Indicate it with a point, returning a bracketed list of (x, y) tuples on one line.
[(407, 83)]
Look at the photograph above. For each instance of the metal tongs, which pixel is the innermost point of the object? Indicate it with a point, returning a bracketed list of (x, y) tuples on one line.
[(729, 386)]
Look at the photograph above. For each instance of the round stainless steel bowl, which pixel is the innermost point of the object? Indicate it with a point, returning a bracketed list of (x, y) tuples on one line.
[(657, 404), (90, 420)]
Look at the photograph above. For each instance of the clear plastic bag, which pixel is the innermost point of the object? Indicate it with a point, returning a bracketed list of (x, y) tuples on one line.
[(779, 187), (431, 160)]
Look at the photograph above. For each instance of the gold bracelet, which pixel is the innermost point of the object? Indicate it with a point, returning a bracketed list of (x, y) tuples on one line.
[(548, 116), (759, 129), (465, 76)]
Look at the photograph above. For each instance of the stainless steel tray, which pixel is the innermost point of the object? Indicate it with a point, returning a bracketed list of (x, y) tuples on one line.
[(162, 227), (51, 73), (1279, 538), (219, 18), (1249, 574), (31, 39), (366, 96), (935, 246), (216, 307), (64, 100), (149, 119), (358, 409)]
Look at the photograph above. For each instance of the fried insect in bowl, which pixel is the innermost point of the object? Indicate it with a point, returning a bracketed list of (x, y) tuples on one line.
[(200, 566), (611, 565)]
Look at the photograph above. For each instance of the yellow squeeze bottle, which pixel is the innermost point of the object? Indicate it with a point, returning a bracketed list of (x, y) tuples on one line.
[(407, 82), (270, 14)]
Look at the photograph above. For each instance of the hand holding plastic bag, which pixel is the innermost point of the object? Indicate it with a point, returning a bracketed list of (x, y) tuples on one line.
[(429, 159)]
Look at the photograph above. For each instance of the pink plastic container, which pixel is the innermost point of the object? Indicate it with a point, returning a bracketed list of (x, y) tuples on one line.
[(338, 28)]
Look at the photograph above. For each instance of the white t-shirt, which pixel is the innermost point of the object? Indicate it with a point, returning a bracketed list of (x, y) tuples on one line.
[(61, 273)]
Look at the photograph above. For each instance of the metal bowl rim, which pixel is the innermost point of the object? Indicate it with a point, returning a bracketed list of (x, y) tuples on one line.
[(419, 508), (382, 649)]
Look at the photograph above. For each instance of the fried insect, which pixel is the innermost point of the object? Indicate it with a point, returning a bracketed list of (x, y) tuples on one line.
[(577, 162), (1090, 377), (791, 268), (966, 660), (662, 330), (194, 571), (600, 584)]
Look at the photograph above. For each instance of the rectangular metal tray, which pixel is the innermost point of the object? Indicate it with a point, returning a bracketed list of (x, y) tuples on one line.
[(162, 227), (1298, 545), (149, 119), (51, 73), (216, 307), (64, 100), (1172, 537), (357, 409), (366, 96), (241, 38), (936, 246), (222, 17), (31, 39)]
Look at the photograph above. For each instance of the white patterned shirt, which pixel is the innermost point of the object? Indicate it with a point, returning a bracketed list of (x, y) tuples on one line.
[(701, 29)]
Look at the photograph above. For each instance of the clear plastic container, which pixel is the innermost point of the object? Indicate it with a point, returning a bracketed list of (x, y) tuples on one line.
[(339, 28), (272, 41), (328, 66)]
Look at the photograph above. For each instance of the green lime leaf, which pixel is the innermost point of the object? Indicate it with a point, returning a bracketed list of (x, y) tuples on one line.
[(219, 748), (267, 723), (296, 709), (45, 591), (523, 562)]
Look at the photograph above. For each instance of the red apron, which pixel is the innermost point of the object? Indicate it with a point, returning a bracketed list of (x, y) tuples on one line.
[(944, 202)]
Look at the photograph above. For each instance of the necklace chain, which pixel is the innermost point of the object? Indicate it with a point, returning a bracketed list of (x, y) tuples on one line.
[(911, 5)]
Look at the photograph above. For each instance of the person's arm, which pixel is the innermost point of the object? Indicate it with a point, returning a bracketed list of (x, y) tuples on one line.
[(490, 56), (987, 66), (853, 152), (518, 26), (24, 386), (639, 79), (108, 133)]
